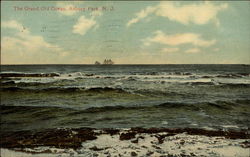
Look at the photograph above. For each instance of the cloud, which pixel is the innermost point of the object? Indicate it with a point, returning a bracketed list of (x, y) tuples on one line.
[(14, 25), (170, 50), (83, 25), (23, 47), (142, 14), (193, 50), (178, 39), (200, 14)]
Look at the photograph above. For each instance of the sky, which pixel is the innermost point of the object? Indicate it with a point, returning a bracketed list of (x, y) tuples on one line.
[(149, 32)]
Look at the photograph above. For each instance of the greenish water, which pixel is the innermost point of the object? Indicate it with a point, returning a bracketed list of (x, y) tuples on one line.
[(124, 96)]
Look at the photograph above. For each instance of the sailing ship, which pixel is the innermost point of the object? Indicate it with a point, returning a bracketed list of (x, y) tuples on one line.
[(105, 62), (97, 63), (108, 62)]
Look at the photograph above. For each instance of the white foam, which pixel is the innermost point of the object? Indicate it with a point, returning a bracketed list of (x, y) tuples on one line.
[(35, 80), (230, 126), (233, 81)]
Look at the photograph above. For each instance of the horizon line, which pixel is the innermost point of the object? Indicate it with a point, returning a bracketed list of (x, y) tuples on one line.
[(136, 64)]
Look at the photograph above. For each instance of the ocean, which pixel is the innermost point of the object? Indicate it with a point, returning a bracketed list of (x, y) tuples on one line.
[(212, 97)]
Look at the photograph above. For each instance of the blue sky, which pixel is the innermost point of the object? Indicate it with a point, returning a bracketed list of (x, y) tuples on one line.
[(165, 32)]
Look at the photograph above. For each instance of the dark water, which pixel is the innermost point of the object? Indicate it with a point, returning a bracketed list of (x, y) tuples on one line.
[(124, 96)]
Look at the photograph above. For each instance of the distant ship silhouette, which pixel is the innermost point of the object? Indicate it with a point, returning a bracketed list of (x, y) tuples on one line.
[(105, 62), (97, 63)]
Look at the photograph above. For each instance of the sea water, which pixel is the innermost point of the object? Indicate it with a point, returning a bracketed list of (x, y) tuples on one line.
[(125, 96)]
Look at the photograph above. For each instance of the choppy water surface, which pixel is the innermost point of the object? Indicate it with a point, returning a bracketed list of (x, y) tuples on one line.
[(124, 96)]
